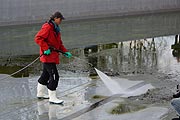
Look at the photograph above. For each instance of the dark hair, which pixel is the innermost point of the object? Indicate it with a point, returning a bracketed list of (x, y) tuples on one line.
[(57, 15)]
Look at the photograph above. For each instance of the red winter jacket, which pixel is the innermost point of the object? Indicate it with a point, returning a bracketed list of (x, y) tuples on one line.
[(47, 37)]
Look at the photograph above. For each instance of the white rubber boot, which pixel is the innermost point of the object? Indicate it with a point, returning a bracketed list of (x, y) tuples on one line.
[(53, 99), (41, 92)]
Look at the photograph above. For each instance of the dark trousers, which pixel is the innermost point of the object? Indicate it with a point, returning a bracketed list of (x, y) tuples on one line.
[(49, 76)]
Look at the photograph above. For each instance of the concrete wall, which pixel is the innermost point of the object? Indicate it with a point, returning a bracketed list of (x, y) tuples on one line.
[(19, 40), (31, 11)]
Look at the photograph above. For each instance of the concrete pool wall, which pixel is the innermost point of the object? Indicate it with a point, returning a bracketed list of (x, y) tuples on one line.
[(30, 11)]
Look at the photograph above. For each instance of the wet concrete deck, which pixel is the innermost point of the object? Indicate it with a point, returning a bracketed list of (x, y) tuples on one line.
[(18, 100)]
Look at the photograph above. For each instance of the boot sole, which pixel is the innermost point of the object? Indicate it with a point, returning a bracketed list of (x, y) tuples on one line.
[(41, 98), (56, 103)]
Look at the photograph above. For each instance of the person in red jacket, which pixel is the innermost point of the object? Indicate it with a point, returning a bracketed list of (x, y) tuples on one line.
[(49, 40)]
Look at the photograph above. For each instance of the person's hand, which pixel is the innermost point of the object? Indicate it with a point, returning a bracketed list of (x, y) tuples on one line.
[(68, 54), (47, 52)]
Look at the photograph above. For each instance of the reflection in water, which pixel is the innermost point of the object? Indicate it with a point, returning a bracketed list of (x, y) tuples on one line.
[(138, 56), (47, 111), (132, 56), (176, 48)]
